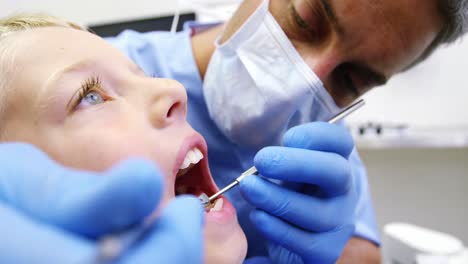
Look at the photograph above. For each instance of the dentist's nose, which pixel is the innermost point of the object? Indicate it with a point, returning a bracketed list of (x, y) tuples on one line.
[(168, 104)]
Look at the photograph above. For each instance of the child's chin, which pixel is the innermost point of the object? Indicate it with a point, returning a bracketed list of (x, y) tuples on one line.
[(225, 246)]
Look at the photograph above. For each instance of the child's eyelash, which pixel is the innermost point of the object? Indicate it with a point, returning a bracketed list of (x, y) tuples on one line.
[(87, 86), (91, 83)]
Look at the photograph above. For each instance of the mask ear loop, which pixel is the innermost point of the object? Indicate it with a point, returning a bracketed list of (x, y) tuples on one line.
[(175, 21)]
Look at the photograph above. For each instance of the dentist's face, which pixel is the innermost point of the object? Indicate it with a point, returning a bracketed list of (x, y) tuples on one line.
[(352, 45), (88, 106)]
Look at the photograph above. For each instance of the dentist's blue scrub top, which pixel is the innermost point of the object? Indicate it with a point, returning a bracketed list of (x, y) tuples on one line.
[(167, 55)]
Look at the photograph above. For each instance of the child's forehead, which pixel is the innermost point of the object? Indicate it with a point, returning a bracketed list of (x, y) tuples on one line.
[(7, 69), (44, 51), (62, 43), (38, 54)]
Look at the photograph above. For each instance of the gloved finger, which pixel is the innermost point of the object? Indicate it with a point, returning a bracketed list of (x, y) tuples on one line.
[(176, 236), (312, 247), (308, 212), (257, 260), (329, 171), (88, 203), (121, 197), (25, 241), (320, 136)]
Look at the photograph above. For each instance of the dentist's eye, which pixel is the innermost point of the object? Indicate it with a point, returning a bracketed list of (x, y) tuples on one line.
[(90, 93), (312, 23)]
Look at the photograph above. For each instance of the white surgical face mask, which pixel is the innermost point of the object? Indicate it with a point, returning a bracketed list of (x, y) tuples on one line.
[(257, 85)]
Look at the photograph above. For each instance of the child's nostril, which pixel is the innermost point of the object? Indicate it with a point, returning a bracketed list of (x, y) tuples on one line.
[(172, 109)]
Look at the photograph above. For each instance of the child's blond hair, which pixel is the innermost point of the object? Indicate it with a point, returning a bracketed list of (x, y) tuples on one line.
[(9, 26)]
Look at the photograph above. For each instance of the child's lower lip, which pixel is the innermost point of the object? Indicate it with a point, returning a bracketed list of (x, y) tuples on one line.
[(223, 216)]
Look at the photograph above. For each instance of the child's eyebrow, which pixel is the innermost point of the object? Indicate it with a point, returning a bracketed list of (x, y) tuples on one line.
[(137, 69), (71, 68), (47, 99), (86, 64), (55, 77)]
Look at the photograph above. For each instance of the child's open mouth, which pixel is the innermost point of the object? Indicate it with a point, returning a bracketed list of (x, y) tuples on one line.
[(194, 178)]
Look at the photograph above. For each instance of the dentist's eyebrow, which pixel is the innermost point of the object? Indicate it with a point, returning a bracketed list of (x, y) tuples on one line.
[(330, 12)]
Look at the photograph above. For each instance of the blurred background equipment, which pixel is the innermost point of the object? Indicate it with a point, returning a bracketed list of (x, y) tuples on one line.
[(409, 244)]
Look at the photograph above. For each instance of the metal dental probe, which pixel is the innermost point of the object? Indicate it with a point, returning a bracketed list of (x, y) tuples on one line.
[(206, 201), (112, 247)]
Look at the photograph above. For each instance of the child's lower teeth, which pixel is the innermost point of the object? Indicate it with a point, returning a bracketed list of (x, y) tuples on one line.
[(218, 205)]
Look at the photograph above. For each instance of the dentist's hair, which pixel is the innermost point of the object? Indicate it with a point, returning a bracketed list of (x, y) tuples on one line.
[(455, 13), (455, 25), (14, 24)]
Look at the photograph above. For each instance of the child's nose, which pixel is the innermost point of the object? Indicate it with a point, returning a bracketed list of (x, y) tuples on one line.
[(168, 103)]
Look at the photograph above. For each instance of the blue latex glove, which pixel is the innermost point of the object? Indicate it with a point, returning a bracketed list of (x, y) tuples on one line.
[(310, 217), (257, 260), (52, 214)]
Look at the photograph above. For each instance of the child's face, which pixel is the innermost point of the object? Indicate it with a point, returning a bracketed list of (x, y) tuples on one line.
[(88, 106)]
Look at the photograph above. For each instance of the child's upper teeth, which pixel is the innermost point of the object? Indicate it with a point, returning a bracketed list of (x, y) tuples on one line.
[(192, 157)]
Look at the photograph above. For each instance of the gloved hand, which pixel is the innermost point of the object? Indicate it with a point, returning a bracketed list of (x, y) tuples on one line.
[(52, 214), (310, 217)]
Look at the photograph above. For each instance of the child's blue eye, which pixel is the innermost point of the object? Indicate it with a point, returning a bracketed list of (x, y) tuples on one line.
[(91, 93), (93, 98)]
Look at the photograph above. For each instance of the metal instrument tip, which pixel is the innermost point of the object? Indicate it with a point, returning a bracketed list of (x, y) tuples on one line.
[(204, 199)]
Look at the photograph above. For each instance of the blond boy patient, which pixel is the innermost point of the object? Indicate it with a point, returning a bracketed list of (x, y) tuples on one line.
[(88, 106)]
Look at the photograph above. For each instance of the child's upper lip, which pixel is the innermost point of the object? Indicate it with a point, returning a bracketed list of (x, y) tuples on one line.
[(205, 181), (193, 141)]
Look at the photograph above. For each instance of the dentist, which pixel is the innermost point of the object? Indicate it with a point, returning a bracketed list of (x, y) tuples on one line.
[(258, 84), (257, 87)]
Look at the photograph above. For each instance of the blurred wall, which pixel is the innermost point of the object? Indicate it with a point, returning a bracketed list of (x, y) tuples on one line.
[(426, 187), (93, 11), (434, 93)]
